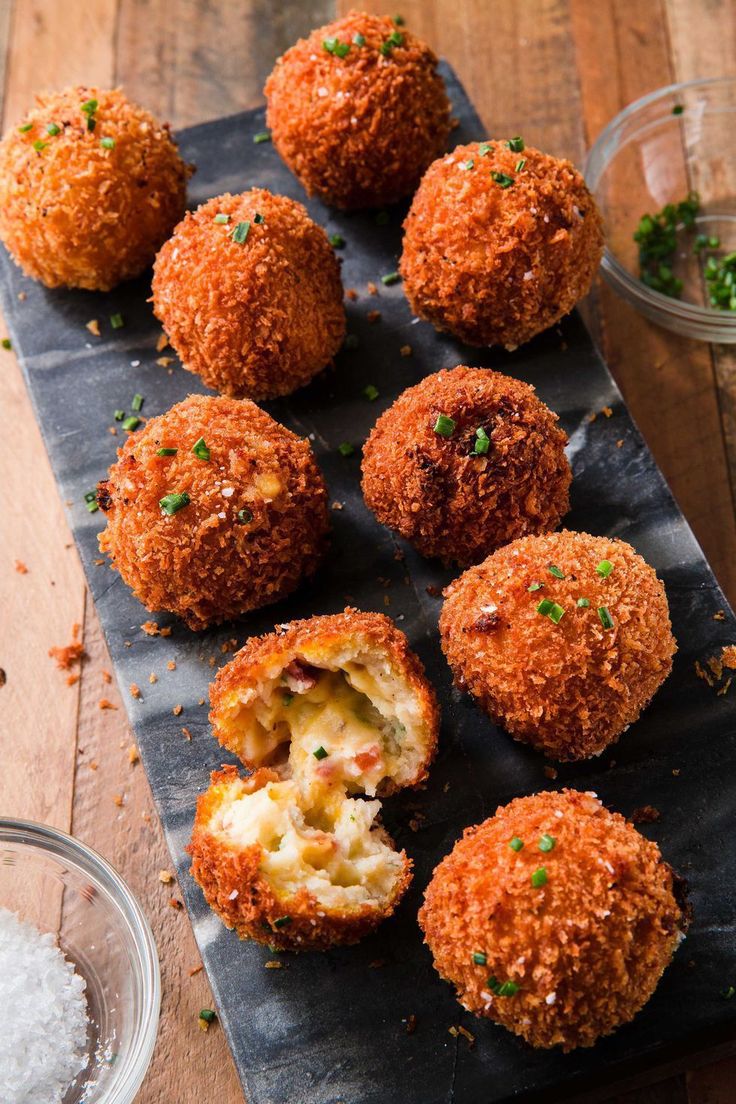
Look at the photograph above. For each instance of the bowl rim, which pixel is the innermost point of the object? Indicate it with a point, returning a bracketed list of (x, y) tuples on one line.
[(597, 160), (61, 845)]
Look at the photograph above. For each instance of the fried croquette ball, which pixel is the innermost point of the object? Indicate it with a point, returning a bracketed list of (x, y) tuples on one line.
[(90, 187), (248, 290), (499, 244), (292, 868), (464, 462), (339, 700), (358, 111), (213, 509), (555, 918), (563, 639)]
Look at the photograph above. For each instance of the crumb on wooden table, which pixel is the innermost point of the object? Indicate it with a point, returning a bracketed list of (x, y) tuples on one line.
[(105, 703), (71, 653), (133, 755), (165, 877), (20, 567)]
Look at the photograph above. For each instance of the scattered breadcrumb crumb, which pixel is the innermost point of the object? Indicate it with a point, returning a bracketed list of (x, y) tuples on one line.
[(372, 288), (133, 755), (186, 734), (119, 800), (135, 690), (177, 710), (645, 814), (373, 316), (161, 343), (195, 970), (71, 680), (720, 615), (406, 350), (94, 327), (620, 443), (153, 678), (411, 1024), (166, 877), (164, 362), (106, 676), (175, 903), (105, 703), (337, 506), (72, 653), (377, 963), (171, 665), (20, 567), (152, 629), (274, 964), (99, 563), (549, 771), (93, 764), (351, 294)]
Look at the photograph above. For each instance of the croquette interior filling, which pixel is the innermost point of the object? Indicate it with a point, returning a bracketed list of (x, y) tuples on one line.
[(351, 725), (330, 848)]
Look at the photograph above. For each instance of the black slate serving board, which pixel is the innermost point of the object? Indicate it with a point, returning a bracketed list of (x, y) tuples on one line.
[(331, 1027)]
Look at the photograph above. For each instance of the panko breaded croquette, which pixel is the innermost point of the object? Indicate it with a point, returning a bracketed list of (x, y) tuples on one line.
[(464, 462), (500, 242), (248, 290), (321, 709), (563, 639), (555, 918), (90, 187), (213, 509), (358, 111)]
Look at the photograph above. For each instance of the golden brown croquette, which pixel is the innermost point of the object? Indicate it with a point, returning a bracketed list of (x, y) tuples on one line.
[(555, 918), (358, 111), (563, 639), (464, 462), (213, 509), (346, 686), (248, 290), (499, 243), (90, 186)]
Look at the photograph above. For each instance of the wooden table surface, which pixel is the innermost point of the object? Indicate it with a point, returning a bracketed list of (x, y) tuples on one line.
[(553, 70)]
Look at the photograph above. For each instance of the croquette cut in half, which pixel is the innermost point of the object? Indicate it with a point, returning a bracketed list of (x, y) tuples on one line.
[(248, 290), (322, 711), (358, 111), (563, 639), (500, 242), (555, 918), (213, 509), (91, 185), (464, 462)]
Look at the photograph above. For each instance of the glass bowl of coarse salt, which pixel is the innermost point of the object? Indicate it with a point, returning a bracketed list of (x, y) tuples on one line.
[(79, 975)]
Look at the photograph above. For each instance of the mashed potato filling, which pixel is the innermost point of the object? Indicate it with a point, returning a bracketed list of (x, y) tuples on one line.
[(332, 849)]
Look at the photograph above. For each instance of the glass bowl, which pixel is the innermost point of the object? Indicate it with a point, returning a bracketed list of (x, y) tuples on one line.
[(660, 148), (63, 887)]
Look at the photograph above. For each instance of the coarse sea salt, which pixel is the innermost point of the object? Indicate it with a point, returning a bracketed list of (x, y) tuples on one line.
[(43, 1040)]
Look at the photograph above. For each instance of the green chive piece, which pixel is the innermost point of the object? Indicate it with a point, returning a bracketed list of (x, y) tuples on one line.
[(551, 609), (262, 136), (539, 877), (335, 47), (352, 341), (520, 164), (245, 516), (678, 109), (479, 958), (467, 165), (25, 128), (508, 989), (382, 218), (484, 149), (119, 415), (200, 450), (117, 321), (445, 426), (90, 501), (221, 219), (604, 568), (320, 753), (370, 392), (346, 449), (729, 993), (546, 842), (240, 232), (606, 619), (516, 145), (657, 239), (107, 143), (6, 343), (166, 452), (131, 423), (554, 570), (482, 442), (207, 1014), (583, 603), (39, 145), (258, 218), (502, 179), (399, 20), (337, 241), (535, 586), (390, 278), (89, 107), (396, 38), (173, 502), (516, 844), (329, 44), (53, 129), (282, 922), (137, 402), (359, 39)]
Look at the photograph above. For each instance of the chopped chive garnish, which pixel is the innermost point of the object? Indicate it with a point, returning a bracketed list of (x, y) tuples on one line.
[(221, 219), (131, 423), (546, 842), (107, 143), (520, 164), (119, 415), (583, 603), (346, 449), (516, 844), (166, 452), (137, 402), (729, 993), (554, 570), (606, 619), (25, 128), (479, 958), (656, 237), (482, 442), (320, 753), (240, 232), (394, 39), (390, 278), (502, 989), (539, 877), (516, 145), (604, 568), (39, 145), (337, 241), (335, 47), (90, 501), (207, 1015), (53, 129), (399, 20), (370, 392), (262, 136), (258, 218), (173, 502), (502, 179), (117, 321), (678, 109), (245, 516), (484, 149), (89, 107), (445, 426), (200, 450), (359, 39), (551, 609), (282, 921), (467, 165), (6, 343), (534, 586), (381, 218), (90, 496), (352, 341)]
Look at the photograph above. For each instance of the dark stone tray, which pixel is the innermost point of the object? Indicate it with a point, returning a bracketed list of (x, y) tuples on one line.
[(330, 1027)]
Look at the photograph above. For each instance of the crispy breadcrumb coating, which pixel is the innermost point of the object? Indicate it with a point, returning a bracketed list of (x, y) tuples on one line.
[(495, 264), (350, 678), (248, 290), (252, 528), (572, 955), (358, 111), (88, 194), (560, 678), (443, 496)]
